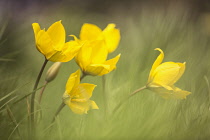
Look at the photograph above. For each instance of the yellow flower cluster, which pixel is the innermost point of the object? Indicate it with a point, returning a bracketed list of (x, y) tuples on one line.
[(91, 52)]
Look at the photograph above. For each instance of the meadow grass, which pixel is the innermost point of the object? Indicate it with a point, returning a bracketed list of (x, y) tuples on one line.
[(146, 115)]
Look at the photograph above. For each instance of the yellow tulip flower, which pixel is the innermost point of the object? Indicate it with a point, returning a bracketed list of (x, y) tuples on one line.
[(77, 95), (92, 58), (110, 35), (163, 76), (51, 43)]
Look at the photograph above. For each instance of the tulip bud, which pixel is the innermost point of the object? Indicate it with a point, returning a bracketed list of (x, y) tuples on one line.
[(52, 71)]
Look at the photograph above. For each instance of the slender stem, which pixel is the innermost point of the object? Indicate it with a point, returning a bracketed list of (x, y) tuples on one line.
[(28, 117), (33, 96), (128, 97), (83, 76), (42, 91), (58, 111), (138, 90), (104, 94)]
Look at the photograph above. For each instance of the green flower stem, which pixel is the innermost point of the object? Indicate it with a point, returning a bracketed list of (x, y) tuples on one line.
[(58, 111), (63, 104), (42, 91), (128, 97), (83, 76), (33, 97), (138, 90), (105, 95)]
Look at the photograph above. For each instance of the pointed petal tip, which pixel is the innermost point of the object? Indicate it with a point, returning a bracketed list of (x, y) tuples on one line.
[(112, 25), (158, 49)]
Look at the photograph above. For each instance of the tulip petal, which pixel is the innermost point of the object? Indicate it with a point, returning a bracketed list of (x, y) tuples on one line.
[(181, 71), (156, 64), (93, 52), (44, 44), (73, 82), (176, 93), (36, 29), (83, 58), (99, 52), (83, 92), (166, 74), (112, 37), (93, 105), (101, 69), (69, 51), (97, 69), (112, 62), (82, 107), (90, 32), (180, 94), (57, 34)]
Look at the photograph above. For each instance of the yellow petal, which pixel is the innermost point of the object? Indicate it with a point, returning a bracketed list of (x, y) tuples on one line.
[(73, 81), (166, 74), (44, 44), (79, 108), (90, 32), (176, 93), (36, 29), (57, 34), (112, 62), (101, 69), (180, 94), (69, 51), (93, 105), (82, 107), (99, 52), (97, 69), (156, 64), (83, 58), (112, 37), (83, 92), (181, 71), (93, 52)]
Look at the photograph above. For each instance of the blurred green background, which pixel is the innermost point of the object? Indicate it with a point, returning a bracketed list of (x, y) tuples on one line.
[(180, 28)]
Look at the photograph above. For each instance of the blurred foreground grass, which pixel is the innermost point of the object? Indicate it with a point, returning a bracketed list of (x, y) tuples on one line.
[(144, 116)]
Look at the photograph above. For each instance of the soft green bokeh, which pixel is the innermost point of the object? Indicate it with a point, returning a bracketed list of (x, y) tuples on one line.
[(146, 115)]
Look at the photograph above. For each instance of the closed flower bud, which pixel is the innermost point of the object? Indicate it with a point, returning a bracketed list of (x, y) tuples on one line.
[(52, 71)]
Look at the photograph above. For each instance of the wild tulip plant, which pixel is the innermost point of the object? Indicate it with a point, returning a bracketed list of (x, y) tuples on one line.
[(90, 52)]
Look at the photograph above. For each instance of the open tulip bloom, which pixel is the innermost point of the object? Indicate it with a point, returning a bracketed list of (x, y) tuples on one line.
[(77, 95), (110, 35), (51, 43), (92, 58), (163, 76)]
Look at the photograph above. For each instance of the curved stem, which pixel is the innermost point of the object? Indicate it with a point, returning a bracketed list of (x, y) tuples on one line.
[(138, 90), (42, 91), (33, 96), (128, 97), (83, 76), (58, 111), (105, 95)]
